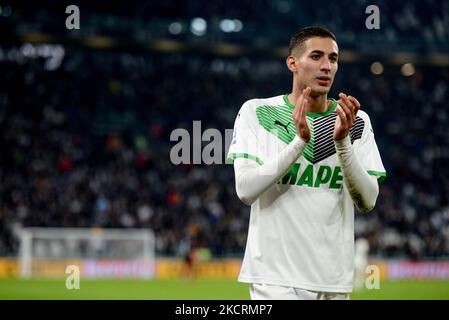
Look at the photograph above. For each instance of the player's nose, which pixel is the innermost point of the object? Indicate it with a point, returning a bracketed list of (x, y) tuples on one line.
[(326, 65)]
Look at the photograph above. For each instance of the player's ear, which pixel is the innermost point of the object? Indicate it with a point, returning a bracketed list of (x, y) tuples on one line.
[(291, 63)]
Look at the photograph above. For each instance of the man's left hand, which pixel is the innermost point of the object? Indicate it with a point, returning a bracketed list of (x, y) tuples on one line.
[(346, 115)]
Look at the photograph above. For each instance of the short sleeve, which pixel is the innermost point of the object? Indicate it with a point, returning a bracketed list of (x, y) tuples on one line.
[(244, 142), (368, 153)]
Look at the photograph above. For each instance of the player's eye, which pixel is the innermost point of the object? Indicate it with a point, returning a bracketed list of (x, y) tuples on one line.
[(315, 57)]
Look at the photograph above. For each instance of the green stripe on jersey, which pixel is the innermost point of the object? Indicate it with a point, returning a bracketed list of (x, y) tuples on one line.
[(381, 176), (278, 120), (308, 150), (332, 108), (233, 156)]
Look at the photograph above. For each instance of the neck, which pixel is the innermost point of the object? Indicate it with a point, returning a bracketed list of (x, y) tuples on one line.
[(317, 103)]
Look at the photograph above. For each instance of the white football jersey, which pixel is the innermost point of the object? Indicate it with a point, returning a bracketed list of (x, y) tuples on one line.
[(301, 230)]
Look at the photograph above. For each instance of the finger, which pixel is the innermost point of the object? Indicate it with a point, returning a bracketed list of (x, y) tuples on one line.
[(355, 103), (299, 113), (306, 99), (307, 92), (303, 109), (349, 114), (345, 99), (295, 111), (342, 116), (299, 101), (348, 108), (302, 106)]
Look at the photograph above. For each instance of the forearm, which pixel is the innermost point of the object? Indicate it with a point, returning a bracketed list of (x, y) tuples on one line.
[(362, 187), (251, 179)]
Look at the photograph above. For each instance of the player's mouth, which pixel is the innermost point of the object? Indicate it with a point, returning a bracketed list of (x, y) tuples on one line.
[(324, 80)]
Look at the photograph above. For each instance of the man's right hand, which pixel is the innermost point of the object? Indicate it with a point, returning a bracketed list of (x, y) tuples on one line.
[(299, 116)]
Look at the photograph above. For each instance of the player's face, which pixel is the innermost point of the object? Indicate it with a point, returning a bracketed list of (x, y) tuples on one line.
[(317, 64)]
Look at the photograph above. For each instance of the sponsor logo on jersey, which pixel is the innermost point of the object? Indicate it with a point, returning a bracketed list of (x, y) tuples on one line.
[(285, 126), (313, 176)]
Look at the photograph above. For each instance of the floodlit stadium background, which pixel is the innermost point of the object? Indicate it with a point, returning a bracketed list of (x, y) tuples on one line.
[(86, 117)]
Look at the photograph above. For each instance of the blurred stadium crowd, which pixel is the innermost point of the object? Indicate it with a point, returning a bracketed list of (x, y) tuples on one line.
[(405, 25), (87, 143)]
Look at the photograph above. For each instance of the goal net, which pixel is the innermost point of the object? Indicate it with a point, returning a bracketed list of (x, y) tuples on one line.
[(97, 252)]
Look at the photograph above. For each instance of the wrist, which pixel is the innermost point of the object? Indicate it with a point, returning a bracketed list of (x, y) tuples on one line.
[(343, 143), (298, 142), (297, 136)]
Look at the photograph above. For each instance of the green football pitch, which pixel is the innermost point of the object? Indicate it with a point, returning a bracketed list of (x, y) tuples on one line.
[(196, 290)]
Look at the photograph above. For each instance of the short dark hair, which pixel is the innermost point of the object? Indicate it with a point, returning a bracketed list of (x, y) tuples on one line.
[(304, 34)]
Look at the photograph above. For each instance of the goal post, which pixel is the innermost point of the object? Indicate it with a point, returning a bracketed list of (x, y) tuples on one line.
[(97, 252)]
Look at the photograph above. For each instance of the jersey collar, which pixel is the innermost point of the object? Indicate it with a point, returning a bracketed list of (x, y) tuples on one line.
[(311, 114)]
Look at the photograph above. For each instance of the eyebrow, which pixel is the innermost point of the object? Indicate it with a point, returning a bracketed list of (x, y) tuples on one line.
[(322, 53)]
